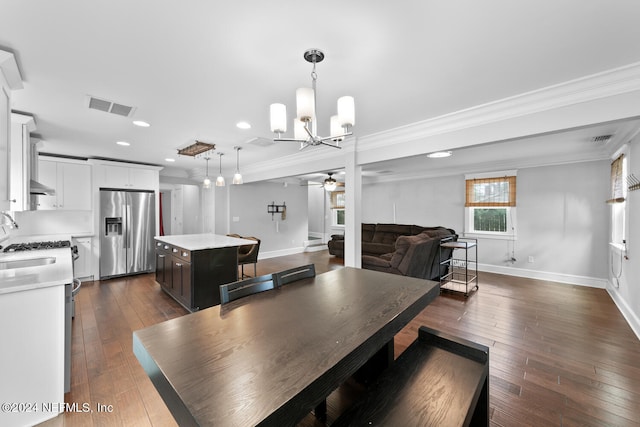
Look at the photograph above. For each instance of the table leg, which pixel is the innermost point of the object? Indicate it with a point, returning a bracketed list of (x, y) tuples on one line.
[(320, 411), (380, 361)]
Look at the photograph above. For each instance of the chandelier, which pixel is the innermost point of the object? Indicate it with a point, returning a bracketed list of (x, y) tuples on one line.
[(305, 124)]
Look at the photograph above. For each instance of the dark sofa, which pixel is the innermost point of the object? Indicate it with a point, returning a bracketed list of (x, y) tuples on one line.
[(415, 256), (378, 239), (409, 250)]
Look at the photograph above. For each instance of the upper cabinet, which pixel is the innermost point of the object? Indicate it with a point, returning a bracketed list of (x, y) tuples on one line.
[(133, 177), (71, 181), (10, 80)]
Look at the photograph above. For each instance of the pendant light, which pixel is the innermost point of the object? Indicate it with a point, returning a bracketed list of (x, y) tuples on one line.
[(207, 182), (237, 177), (220, 178)]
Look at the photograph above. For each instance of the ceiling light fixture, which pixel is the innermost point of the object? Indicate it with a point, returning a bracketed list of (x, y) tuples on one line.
[(220, 178), (330, 183), (439, 154), (141, 123), (305, 126), (237, 177), (207, 182), (170, 160), (243, 125), (123, 143)]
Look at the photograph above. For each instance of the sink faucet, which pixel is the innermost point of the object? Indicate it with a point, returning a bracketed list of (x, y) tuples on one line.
[(12, 222)]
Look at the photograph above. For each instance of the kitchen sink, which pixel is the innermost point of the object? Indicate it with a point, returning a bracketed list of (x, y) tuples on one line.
[(29, 262)]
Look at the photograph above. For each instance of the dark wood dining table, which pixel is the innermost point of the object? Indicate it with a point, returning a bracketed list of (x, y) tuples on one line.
[(268, 359)]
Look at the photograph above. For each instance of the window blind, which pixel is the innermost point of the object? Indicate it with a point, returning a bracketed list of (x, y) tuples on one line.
[(617, 185), (491, 191)]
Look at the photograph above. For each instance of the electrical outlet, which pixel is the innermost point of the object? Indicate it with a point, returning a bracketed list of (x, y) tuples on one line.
[(530, 258)]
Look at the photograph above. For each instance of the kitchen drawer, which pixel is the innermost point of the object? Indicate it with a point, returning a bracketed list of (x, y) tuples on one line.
[(181, 253)]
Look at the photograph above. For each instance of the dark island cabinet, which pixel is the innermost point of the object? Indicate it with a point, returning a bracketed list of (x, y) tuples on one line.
[(193, 278)]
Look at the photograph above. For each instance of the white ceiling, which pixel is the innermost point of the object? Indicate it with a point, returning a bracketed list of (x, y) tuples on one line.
[(193, 69)]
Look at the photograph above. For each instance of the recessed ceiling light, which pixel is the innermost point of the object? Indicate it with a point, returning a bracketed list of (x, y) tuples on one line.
[(169, 160), (243, 125), (141, 123), (123, 143), (439, 154)]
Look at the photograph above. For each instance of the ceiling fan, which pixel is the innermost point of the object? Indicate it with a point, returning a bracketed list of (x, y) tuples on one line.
[(329, 184)]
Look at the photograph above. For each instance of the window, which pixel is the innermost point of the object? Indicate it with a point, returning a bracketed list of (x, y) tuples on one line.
[(490, 205), (618, 200), (338, 217), (337, 208)]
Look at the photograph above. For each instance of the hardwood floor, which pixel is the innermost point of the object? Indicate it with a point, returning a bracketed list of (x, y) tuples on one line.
[(560, 355)]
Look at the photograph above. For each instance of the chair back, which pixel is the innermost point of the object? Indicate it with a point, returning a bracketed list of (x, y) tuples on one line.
[(248, 254), (242, 288), (287, 276)]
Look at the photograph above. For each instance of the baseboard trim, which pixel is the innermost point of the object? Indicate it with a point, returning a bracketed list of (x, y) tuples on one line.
[(632, 319), (281, 252), (570, 279), (316, 248)]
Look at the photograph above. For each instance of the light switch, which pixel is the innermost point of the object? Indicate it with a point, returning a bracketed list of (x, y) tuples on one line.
[(236, 219)]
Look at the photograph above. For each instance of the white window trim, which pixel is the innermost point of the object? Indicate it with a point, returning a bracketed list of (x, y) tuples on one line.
[(512, 226)]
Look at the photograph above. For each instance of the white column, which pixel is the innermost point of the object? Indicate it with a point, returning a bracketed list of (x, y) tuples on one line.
[(353, 206)]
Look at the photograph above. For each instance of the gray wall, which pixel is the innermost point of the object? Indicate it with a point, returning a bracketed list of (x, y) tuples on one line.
[(317, 209), (249, 217), (561, 214)]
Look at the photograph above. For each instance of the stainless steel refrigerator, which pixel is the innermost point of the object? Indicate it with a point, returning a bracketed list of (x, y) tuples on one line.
[(127, 228)]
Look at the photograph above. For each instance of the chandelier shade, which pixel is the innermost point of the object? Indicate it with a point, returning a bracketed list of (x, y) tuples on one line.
[(305, 103), (346, 111), (305, 124), (278, 118)]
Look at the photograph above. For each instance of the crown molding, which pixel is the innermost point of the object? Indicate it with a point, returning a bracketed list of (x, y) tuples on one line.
[(10, 70), (588, 88)]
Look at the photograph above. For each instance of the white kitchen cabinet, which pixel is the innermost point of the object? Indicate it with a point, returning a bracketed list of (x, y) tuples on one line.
[(71, 182), (10, 80), (32, 356), (130, 178), (82, 267), (20, 155)]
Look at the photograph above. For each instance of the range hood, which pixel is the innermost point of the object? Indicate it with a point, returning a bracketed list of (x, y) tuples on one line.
[(41, 189)]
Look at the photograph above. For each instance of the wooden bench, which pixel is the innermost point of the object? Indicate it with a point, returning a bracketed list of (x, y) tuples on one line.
[(439, 380)]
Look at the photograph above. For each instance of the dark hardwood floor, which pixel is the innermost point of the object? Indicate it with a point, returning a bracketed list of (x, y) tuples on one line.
[(560, 355)]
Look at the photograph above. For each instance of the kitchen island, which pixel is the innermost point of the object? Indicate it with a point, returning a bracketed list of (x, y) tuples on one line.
[(191, 267)]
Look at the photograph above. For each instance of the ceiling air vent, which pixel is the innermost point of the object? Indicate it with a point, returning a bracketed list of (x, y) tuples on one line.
[(260, 142), (110, 106), (602, 139)]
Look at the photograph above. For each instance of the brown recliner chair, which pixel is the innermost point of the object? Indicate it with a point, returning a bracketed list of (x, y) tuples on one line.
[(247, 254)]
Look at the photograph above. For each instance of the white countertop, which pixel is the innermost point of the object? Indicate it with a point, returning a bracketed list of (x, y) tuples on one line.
[(22, 279), (196, 242)]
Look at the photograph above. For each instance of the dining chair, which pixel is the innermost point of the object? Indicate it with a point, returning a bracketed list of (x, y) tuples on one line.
[(247, 254), (242, 288), (291, 275)]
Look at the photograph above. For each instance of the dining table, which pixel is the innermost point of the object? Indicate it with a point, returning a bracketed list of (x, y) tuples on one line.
[(268, 359)]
